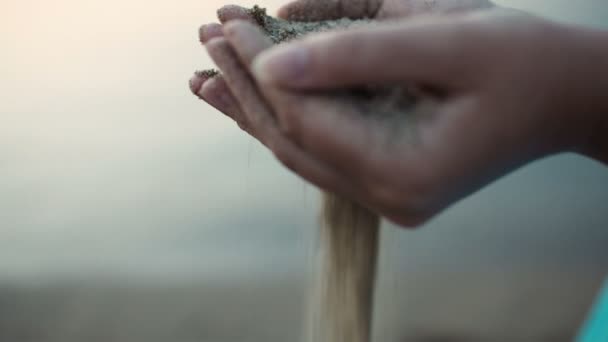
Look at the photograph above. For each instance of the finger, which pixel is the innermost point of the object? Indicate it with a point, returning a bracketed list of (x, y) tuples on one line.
[(199, 78), (264, 126), (209, 31), (256, 112), (234, 12), (315, 10), (247, 40), (432, 50), (214, 90), (217, 94)]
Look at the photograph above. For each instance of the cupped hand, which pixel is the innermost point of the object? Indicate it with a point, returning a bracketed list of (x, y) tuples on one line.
[(508, 88)]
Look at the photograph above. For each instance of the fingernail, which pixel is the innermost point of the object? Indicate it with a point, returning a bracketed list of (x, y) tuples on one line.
[(286, 65)]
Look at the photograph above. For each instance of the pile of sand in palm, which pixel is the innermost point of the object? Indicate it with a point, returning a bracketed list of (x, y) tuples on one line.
[(375, 101)]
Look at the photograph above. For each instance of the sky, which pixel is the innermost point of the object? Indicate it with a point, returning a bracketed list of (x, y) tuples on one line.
[(108, 165)]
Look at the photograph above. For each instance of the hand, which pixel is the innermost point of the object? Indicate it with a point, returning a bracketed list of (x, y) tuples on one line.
[(217, 93), (513, 88)]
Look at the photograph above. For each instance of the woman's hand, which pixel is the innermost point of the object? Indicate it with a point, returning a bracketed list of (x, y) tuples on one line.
[(509, 88)]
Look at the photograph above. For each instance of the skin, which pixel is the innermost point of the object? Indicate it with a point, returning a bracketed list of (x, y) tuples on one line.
[(218, 94), (508, 88)]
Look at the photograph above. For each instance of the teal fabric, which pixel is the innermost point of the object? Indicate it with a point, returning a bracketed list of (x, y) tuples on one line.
[(596, 327)]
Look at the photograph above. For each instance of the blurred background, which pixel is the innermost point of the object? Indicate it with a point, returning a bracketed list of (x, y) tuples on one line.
[(131, 211)]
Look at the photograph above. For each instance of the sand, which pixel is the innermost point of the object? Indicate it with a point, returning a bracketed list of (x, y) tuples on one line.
[(206, 74), (280, 30), (342, 301)]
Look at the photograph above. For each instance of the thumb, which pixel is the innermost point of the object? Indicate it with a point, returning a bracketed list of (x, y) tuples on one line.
[(429, 50)]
